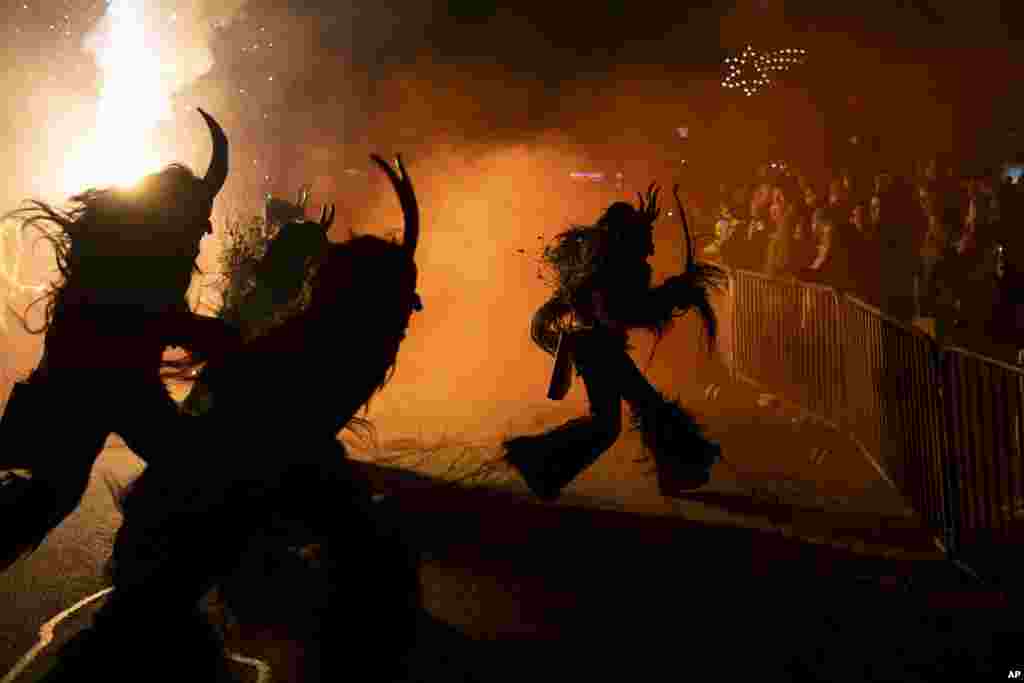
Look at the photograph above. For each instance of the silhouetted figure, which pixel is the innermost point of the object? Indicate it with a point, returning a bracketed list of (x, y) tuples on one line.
[(603, 292), (126, 258), (280, 478), (254, 303)]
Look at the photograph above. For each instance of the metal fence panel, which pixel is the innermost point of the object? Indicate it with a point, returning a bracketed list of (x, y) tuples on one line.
[(850, 364), (984, 409)]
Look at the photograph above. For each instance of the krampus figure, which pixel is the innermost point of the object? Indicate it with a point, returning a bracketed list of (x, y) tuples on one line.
[(280, 478), (258, 297), (126, 256), (603, 290)]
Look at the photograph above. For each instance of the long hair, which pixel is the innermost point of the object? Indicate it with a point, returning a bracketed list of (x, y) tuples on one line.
[(103, 227), (359, 301), (131, 249), (370, 282)]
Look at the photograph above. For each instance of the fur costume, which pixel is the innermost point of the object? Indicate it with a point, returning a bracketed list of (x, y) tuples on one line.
[(280, 477), (126, 258), (602, 291), (267, 269)]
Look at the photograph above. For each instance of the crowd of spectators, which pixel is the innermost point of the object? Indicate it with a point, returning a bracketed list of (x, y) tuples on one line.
[(938, 245)]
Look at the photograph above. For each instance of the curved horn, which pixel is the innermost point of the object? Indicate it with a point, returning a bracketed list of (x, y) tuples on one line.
[(217, 172), (686, 228), (407, 198)]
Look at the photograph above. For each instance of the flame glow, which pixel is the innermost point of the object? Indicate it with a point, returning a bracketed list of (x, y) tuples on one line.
[(134, 98)]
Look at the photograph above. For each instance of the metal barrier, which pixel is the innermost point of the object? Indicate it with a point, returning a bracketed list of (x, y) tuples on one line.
[(894, 405), (787, 336), (984, 410), (942, 426)]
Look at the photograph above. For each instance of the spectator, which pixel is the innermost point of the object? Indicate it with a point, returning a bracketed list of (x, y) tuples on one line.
[(875, 211), (805, 247), (900, 219), (849, 185), (746, 246), (862, 239), (812, 200), (1005, 326), (933, 250), (839, 197), (783, 217), (831, 265), (860, 219)]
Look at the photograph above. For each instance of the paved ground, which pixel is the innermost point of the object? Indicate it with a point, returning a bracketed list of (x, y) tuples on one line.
[(550, 591), (763, 574)]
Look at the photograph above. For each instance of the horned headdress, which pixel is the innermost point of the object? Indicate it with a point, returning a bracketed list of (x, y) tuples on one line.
[(217, 172)]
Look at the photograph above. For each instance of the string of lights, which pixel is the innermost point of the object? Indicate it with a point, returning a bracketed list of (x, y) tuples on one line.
[(751, 71)]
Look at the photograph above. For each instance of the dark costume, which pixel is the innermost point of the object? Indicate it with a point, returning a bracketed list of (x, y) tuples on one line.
[(604, 291), (267, 268), (127, 258), (280, 479)]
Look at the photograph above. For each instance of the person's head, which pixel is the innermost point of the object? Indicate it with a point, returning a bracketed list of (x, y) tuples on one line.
[(785, 193), (280, 211), (837, 193), (760, 200), (291, 252), (928, 200), (875, 209), (810, 197), (973, 186), (846, 180), (859, 216), (931, 169), (632, 229), (923, 193), (133, 245), (1002, 261), (823, 223)]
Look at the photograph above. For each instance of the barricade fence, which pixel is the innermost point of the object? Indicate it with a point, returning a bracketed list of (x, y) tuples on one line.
[(942, 425)]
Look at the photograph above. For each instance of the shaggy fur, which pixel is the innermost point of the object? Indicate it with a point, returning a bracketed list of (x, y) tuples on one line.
[(609, 259)]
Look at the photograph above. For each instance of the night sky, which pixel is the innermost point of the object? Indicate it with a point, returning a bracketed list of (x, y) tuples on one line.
[(321, 72)]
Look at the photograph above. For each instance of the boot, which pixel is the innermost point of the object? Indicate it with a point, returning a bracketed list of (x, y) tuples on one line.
[(551, 461)]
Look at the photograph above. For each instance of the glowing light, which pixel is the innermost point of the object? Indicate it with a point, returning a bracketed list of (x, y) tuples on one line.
[(762, 66), (133, 100)]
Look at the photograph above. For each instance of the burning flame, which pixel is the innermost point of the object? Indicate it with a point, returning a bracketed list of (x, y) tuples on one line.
[(134, 98)]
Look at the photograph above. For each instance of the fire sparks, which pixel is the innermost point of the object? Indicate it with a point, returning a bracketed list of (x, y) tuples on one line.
[(135, 97)]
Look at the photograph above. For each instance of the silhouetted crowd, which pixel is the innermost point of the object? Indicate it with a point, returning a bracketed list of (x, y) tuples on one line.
[(939, 245)]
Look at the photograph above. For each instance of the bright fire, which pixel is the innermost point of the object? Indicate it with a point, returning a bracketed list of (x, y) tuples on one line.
[(133, 100)]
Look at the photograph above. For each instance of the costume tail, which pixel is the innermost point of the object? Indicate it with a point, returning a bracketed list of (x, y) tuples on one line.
[(705, 278)]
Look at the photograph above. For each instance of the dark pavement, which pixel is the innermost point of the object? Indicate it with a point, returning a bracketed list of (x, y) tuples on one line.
[(647, 589)]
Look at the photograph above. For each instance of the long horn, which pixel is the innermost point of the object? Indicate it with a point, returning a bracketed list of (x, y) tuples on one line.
[(217, 173), (686, 228), (407, 197)]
